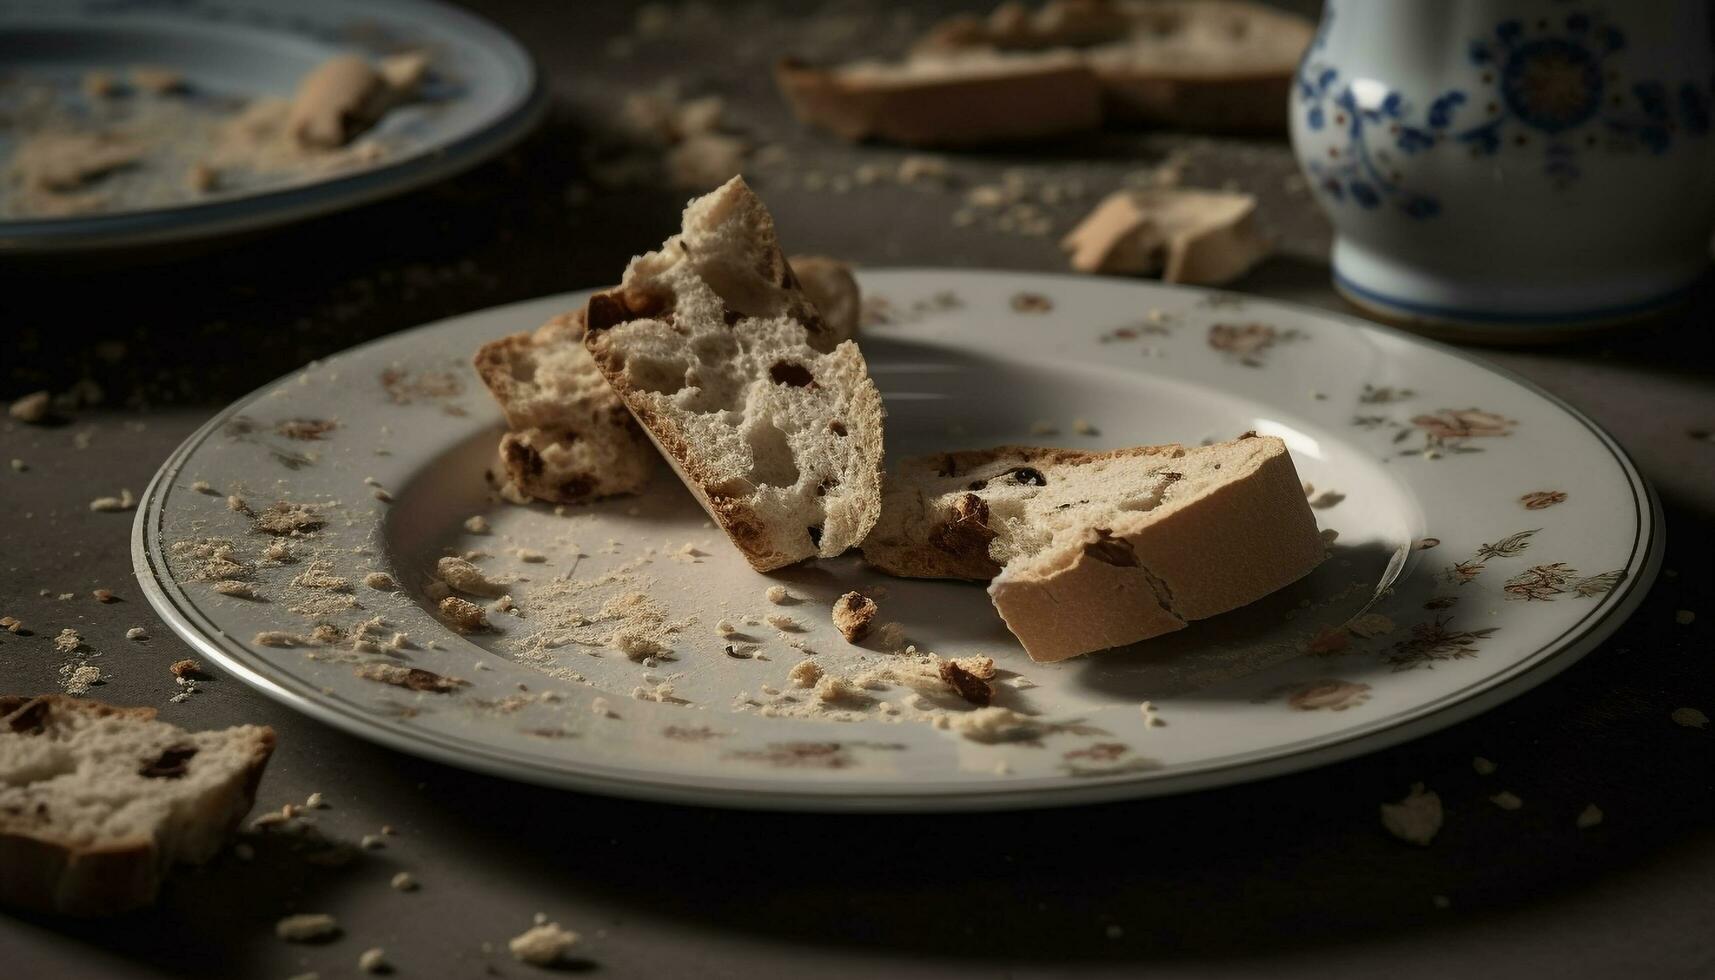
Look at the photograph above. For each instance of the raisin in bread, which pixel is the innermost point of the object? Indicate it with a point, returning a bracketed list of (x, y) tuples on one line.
[(733, 373), (571, 437), (1089, 550), (98, 802)]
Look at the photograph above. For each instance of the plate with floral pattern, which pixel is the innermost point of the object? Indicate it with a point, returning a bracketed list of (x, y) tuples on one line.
[(1482, 536)]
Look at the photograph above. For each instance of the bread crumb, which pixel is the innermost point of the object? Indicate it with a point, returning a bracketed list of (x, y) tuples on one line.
[(19, 466), (1684, 617), (467, 578), (280, 638), (783, 623), (462, 615), (542, 945), (993, 724), (636, 642), (1370, 625), (726, 627), (1150, 718), (404, 882), (185, 668), (373, 960), (78, 680), (371, 842), (599, 707), (835, 688), (778, 595), (237, 504), (1084, 428), (1689, 717), (1415, 819), (30, 409), (68, 641), (1589, 817), (1506, 800), (1483, 766), (136, 633), (234, 588), (315, 801), (853, 613), (113, 504), (308, 927), (203, 486), (379, 581), (11, 624), (805, 673), (104, 595), (476, 524), (531, 557)]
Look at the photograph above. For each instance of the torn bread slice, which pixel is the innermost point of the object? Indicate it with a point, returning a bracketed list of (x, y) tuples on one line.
[(572, 438), (98, 802), (728, 366), (953, 98), (833, 289), (1089, 550), (1205, 65)]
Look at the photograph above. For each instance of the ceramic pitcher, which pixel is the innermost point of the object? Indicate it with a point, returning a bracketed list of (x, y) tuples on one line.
[(1511, 169)]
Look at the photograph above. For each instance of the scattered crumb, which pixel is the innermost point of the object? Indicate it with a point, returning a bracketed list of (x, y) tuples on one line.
[(31, 408), (805, 673), (783, 623), (78, 680), (853, 613), (203, 486), (19, 466), (599, 707), (236, 589), (185, 668), (834, 688), (778, 595), (994, 724), (379, 581), (542, 945), (1151, 719), (372, 842), (530, 556), (1684, 617), (1689, 717), (404, 882), (965, 684), (381, 495), (1370, 625), (315, 802), (308, 927), (476, 524), (12, 624), (1415, 819), (237, 504), (136, 633), (726, 627), (113, 504), (68, 641), (464, 616), (104, 595), (1506, 800), (1483, 766), (467, 578), (1084, 428), (373, 960), (1589, 817)]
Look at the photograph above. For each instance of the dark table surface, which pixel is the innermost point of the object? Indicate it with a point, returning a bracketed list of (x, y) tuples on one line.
[(1287, 877)]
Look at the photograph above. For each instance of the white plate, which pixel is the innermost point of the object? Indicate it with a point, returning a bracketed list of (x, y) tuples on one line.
[(485, 93), (1547, 537)]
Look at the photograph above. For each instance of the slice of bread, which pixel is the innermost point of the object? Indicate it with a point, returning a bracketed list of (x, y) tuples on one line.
[(952, 98), (833, 289), (1205, 65), (1089, 550), (733, 373), (98, 802), (572, 439)]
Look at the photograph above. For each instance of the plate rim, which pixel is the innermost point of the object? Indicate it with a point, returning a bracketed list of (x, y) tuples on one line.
[(1550, 659), (288, 205)]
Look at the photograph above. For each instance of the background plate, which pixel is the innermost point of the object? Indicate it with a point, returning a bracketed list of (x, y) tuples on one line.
[(1488, 536), (487, 93)]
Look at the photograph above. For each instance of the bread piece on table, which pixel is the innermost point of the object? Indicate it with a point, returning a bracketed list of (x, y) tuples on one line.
[(98, 802), (1193, 236), (572, 438), (1089, 550), (1205, 65), (731, 371), (956, 98), (830, 285)]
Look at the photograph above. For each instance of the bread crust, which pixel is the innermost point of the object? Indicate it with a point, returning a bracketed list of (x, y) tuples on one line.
[(1216, 552), (44, 872), (1025, 103)]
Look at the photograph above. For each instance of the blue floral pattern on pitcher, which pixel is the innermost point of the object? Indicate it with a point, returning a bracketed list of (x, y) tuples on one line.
[(1547, 87)]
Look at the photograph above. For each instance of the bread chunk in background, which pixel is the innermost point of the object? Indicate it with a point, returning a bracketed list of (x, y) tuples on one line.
[(1089, 550), (98, 802), (769, 418)]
